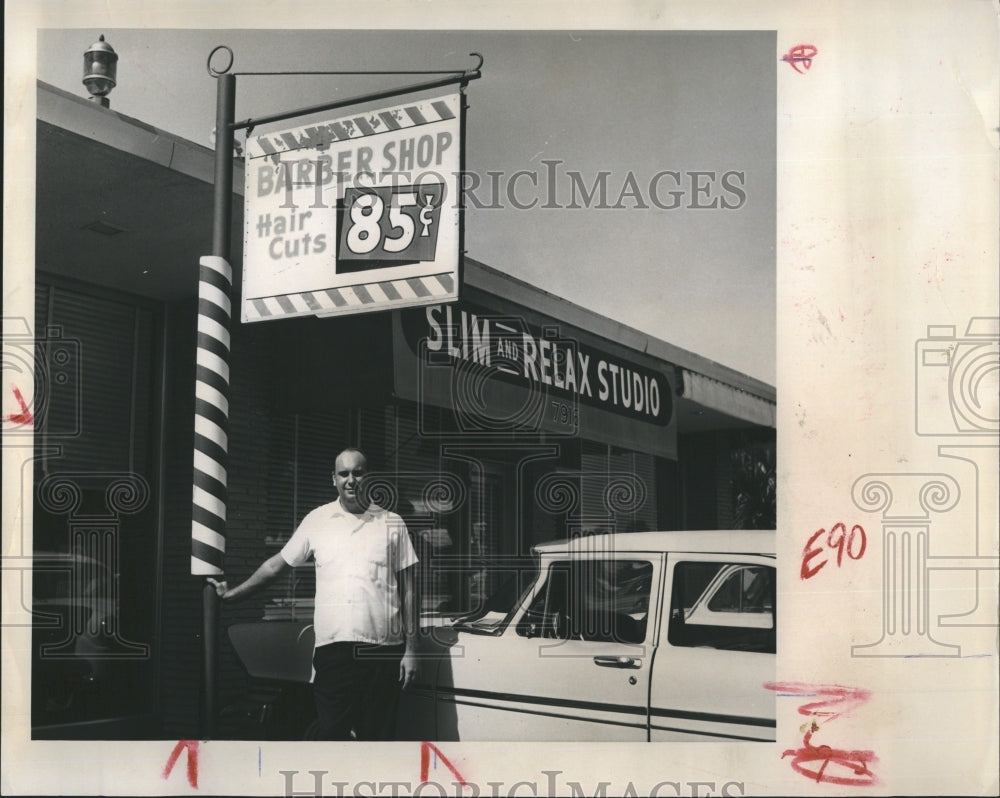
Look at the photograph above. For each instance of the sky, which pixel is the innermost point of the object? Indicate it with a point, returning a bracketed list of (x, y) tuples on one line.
[(667, 120)]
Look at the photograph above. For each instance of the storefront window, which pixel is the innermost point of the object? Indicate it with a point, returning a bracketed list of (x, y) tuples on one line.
[(96, 506), (723, 605)]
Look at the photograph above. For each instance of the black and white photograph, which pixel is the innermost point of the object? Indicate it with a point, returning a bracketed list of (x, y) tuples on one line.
[(490, 415), (391, 404)]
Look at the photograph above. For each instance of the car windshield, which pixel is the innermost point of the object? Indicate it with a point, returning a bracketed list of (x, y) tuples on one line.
[(514, 581)]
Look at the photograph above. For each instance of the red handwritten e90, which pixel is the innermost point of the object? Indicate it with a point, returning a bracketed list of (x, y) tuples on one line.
[(838, 539)]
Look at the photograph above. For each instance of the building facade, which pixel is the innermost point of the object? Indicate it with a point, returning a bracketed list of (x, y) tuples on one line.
[(506, 419)]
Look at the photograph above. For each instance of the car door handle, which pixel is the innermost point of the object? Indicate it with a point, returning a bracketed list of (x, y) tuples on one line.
[(618, 662)]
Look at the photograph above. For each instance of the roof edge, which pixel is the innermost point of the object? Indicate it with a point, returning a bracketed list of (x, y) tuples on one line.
[(486, 278), (746, 541), (88, 119)]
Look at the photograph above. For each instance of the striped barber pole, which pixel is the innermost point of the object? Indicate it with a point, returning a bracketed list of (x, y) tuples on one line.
[(354, 299), (211, 418), (322, 135)]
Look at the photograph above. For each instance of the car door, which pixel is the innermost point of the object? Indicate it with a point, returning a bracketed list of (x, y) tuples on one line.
[(716, 649), (573, 663)]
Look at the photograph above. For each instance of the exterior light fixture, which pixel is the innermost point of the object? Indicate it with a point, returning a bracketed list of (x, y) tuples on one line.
[(100, 68)]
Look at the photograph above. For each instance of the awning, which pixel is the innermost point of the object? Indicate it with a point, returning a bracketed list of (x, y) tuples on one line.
[(728, 399)]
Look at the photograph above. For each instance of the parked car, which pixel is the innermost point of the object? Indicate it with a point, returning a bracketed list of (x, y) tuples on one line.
[(636, 636), (278, 704)]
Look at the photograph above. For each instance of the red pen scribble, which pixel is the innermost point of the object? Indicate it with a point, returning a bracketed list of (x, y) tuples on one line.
[(815, 761), (24, 417), (830, 695), (854, 545), (191, 746), (425, 761), (800, 55)]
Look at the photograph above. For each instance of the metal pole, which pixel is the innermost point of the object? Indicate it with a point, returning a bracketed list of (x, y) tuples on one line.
[(221, 246), (210, 642), (463, 111), (225, 111)]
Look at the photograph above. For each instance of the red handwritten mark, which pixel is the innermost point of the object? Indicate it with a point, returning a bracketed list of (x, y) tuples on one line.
[(191, 746), (425, 761), (854, 545), (800, 55), (833, 702), (808, 553), (24, 417)]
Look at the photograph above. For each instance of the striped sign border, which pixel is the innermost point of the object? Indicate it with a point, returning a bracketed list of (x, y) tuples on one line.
[(354, 299), (367, 124), (211, 418)]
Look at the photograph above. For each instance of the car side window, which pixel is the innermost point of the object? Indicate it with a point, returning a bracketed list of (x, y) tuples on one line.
[(724, 605), (592, 600)]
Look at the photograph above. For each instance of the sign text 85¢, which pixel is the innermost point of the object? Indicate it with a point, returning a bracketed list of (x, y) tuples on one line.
[(391, 223)]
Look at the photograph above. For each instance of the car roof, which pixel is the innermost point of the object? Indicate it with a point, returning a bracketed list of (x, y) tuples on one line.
[(720, 541), (61, 559)]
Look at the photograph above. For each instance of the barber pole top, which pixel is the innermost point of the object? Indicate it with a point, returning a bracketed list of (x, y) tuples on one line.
[(211, 418)]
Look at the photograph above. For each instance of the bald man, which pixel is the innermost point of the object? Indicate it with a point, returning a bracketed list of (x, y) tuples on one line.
[(365, 618)]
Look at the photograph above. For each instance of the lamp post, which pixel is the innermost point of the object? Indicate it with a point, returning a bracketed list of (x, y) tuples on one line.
[(100, 70)]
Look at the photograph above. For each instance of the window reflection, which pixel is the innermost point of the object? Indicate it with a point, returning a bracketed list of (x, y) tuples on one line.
[(592, 601)]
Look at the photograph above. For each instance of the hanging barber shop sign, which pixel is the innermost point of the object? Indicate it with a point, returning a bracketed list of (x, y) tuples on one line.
[(356, 214)]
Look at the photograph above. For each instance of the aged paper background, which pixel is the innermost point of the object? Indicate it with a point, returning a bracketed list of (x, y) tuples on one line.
[(887, 224)]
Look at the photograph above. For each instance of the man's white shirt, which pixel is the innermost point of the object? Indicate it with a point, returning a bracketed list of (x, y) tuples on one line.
[(357, 559)]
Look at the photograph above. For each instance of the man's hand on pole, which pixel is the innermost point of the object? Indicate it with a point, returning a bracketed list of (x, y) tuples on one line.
[(221, 588), (267, 571)]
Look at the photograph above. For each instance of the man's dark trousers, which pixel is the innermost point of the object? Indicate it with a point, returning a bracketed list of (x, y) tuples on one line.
[(356, 687)]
